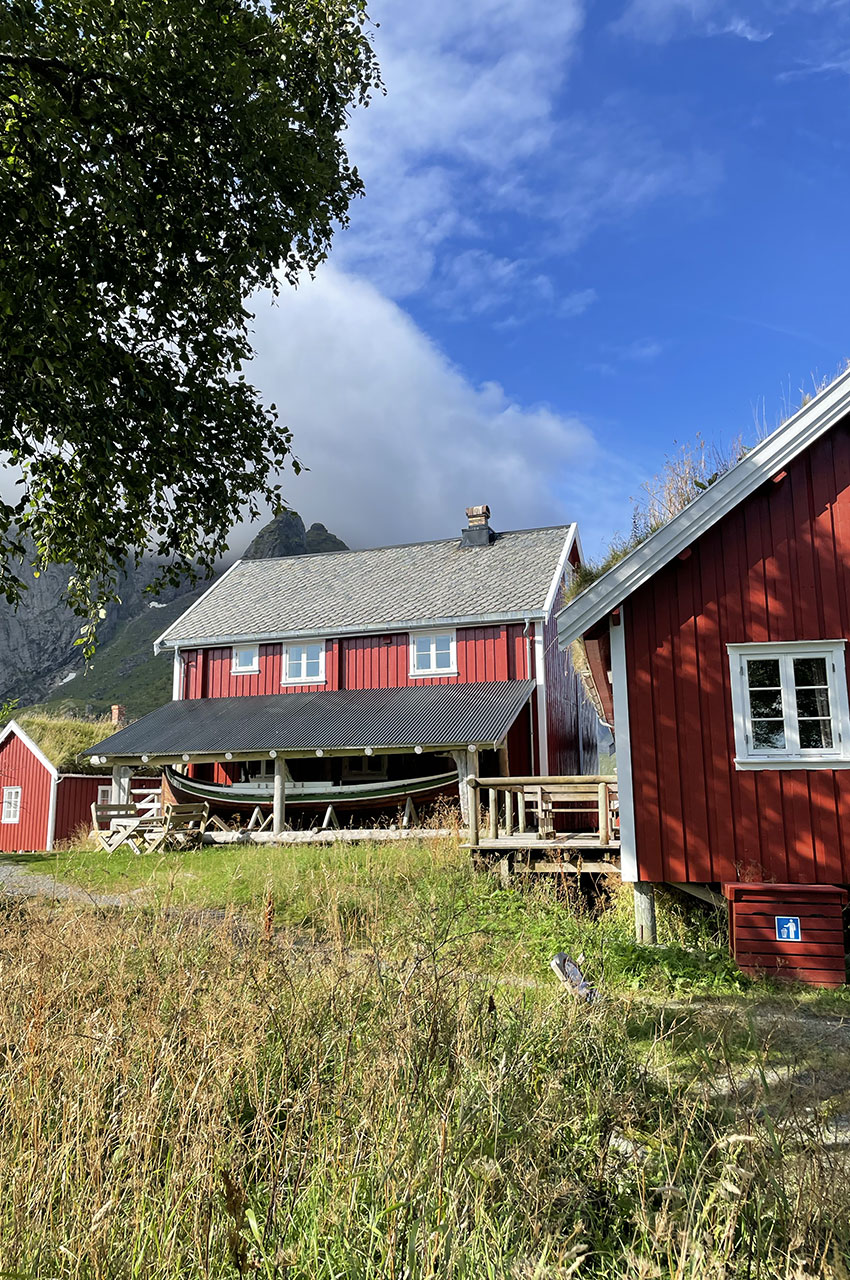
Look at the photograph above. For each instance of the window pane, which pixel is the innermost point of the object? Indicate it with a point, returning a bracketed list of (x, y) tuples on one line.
[(813, 702), (815, 734), (295, 662), (763, 673), (768, 735), (314, 661), (768, 703), (809, 671), (442, 652), (422, 653)]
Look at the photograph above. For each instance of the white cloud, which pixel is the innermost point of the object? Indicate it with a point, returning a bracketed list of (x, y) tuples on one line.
[(661, 20), (398, 442), (474, 162)]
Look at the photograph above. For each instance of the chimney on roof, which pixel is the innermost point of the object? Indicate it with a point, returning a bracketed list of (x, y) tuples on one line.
[(477, 532), (119, 714)]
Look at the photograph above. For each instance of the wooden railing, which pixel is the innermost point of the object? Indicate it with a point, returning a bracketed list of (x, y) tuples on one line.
[(528, 806)]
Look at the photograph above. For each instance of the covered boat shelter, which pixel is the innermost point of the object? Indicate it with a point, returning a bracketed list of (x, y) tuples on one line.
[(451, 719)]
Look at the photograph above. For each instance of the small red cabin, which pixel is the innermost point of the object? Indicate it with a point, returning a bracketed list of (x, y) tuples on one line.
[(40, 804), (717, 648)]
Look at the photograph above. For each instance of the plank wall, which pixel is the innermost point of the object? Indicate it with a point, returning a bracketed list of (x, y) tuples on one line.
[(20, 768), (775, 569)]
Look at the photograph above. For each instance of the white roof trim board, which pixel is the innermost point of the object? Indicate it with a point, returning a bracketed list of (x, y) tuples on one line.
[(760, 464), (14, 727)]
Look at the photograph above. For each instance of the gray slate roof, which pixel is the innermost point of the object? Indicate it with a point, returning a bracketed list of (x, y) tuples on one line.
[(380, 589), (442, 715)]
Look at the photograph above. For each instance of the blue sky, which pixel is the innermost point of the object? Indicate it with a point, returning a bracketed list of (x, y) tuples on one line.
[(590, 232)]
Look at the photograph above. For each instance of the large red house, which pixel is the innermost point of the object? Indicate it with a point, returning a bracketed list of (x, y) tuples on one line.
[(718, 650), (363, 677)]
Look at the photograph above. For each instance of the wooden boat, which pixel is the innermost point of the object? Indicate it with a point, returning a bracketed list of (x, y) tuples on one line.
[(387, 794)]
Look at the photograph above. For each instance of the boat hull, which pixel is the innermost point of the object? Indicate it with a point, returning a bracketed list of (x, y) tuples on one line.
[(360, 796)]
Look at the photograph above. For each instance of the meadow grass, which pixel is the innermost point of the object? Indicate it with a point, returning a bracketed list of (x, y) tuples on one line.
[(365, 1069)]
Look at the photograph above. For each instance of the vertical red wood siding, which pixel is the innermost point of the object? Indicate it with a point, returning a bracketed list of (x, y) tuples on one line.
[(483, 653), (775, 569), (76, 793), (20, 768)]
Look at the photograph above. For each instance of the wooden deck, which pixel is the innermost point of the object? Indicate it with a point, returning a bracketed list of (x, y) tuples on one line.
[(519, 834)]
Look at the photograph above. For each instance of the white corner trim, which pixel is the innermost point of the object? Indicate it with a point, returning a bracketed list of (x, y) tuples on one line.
[(177, 677), (14, 727), (540, 677), (563, 560), (768, 458), (51, 813), (160, 640), (623, 746)]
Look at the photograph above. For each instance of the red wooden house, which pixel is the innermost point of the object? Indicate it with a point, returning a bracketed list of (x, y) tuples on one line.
[(42, 804), (718, 650), (362, 677)]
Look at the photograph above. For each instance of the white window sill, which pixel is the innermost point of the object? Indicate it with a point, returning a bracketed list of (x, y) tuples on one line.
[(306, 680), (244, 671), (433, 675), (799, 762)]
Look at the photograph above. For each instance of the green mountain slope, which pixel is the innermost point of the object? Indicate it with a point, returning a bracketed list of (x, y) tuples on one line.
[(125, 669)]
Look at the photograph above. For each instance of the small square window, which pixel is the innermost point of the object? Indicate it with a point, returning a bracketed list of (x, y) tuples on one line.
[(304, 662), (104, 795), (11, 804), (246, 660), (790, 704), (433, 654)]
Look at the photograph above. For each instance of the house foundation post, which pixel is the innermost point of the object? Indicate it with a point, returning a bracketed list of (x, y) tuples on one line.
[(279, 807), (645, 925)]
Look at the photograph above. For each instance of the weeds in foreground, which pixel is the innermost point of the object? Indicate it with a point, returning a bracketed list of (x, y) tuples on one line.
[(180, 1100)]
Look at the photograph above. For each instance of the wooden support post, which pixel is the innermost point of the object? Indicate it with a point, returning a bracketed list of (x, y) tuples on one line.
[(330, 819), (505, 869), (509, 812), (472, 802), (604, 816), (279, 809), (120, 785), (410, 818), (461, 759), (494, 814), (520, 812), (645, 926)]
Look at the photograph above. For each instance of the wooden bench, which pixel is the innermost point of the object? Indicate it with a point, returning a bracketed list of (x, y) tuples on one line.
[(186, 824), (182, 826)]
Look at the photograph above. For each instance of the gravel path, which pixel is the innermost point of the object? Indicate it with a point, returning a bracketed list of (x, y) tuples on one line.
[(16, 883)]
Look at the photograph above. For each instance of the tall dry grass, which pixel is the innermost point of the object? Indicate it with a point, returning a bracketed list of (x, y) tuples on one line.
[(181, 1099)]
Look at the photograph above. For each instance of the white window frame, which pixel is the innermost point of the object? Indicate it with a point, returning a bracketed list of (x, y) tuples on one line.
[(236, 668), (302, 679), (11, 813), (793, 756), (104, 795), (432, 671)]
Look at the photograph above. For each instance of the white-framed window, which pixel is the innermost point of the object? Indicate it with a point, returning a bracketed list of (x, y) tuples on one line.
[(304, 662), (433, 653), (104, 795), (11, 804), (790, 705), (246, 659)]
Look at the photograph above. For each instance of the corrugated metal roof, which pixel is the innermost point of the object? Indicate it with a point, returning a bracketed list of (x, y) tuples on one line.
[(448, 715), (343, 591)]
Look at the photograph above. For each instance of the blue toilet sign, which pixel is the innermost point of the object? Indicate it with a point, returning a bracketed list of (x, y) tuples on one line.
[(787, 928)]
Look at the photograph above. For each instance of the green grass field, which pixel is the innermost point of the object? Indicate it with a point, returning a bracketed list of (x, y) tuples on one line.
[(362, 1066)]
